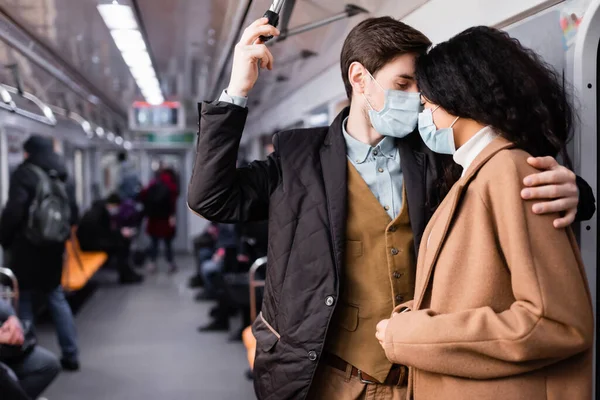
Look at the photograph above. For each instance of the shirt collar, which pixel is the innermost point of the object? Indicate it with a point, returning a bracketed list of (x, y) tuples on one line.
[(467, 153), (359, 152)]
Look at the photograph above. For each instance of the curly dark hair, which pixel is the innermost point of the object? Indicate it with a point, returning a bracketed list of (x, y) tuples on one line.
[(485, 75)]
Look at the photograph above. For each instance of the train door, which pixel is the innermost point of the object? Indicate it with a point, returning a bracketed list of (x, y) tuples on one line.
[(3, 178), (176, 161), (79, 178), (586, 80), (74, 161)]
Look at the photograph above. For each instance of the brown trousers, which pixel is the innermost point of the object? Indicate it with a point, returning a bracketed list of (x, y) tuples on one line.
[(333, 384)]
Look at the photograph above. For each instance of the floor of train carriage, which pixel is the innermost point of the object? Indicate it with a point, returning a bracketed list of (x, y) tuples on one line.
[(140, 342)]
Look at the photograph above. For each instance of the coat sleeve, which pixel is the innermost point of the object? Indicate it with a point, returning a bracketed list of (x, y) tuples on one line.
[(20, 196), (551, 318), (587, 202), (10, 388), (219, 191)]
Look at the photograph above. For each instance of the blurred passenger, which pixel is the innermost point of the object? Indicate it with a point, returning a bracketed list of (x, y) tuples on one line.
[(254, 241), (204, 248), (33, 366), (347, 206), (10, 387), (101, 230), (500, 331), (253, 245), (34, 238), (160, 206), (224, 259), (129, 181)]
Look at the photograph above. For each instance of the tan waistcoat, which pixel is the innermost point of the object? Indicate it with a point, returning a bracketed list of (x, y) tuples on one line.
[(378, 274)]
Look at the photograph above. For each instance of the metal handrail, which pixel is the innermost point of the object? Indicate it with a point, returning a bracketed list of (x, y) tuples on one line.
[(8, 294), (261, 262), (47, 116)]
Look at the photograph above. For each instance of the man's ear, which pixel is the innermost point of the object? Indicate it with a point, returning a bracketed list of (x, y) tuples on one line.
[(357, 75)]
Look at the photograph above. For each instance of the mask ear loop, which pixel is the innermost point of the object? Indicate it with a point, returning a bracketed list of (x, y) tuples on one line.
[(381, 87), (368, 102), (455, 121)]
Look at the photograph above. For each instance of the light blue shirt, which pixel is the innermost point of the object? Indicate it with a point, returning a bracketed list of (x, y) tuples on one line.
[(237, 100), (379, 166)]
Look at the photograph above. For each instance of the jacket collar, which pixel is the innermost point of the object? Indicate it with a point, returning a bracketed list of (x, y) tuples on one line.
[(335, 180), (437, 229)]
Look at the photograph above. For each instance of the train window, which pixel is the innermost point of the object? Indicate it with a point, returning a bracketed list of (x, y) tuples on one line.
[(14, 142)]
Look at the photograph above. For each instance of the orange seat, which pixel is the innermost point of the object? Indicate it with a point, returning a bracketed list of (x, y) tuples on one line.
[(79, 266), (250, 344)]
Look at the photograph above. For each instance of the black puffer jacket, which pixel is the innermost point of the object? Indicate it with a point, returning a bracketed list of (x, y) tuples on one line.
[(302, 189), (95, 231), (38, 268)]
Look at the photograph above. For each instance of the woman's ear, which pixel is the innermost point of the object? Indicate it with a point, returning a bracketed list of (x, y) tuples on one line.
[(357, 76)]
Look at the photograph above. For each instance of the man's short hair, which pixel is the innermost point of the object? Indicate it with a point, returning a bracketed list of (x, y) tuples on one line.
[(377, 41), (114, 199), (122, 156)]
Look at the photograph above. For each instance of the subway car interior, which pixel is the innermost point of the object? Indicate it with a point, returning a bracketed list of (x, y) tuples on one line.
[(114, 85)]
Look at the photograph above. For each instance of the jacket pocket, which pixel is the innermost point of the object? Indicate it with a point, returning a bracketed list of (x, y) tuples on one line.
[(266, 336), (348, 317)]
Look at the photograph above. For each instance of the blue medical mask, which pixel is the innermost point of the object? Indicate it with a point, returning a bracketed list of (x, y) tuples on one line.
[(438, 140), (399, 115)]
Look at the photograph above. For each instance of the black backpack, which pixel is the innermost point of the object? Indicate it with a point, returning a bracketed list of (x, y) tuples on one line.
[(158, 201), (49, 220)]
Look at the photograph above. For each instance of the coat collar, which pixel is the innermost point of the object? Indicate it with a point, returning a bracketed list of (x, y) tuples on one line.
[(335, 180), (437, 229), (414, 172)]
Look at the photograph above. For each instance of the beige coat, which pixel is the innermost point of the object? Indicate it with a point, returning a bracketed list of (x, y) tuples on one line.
[(502, 308)]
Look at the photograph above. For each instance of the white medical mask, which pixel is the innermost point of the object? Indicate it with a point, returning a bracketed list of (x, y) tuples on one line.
[(438, 140), (399, 115)]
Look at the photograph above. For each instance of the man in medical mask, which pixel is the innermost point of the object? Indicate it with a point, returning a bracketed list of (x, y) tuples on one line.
[(347, 205)]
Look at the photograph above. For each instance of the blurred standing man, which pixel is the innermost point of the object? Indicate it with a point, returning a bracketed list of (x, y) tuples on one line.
[(347, 206), (129, 180), (38, 261)]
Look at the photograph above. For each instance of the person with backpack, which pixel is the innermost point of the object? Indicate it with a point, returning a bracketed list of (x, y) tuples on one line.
[(105, 227), (160, 200), (34, 226)]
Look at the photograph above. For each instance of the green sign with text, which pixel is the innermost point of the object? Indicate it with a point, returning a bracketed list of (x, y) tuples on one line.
[(169, 138)]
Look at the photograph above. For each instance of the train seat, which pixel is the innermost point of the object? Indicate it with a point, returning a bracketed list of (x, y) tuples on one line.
[(80, 266)]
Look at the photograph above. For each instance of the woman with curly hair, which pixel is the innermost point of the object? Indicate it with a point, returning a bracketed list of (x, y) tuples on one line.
[(502, 308)]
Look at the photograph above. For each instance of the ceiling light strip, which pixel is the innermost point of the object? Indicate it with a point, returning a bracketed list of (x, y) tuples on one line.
[(125, 31)]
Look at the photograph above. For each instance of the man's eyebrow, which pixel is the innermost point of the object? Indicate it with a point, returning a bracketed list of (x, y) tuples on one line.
[(407, 76)]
